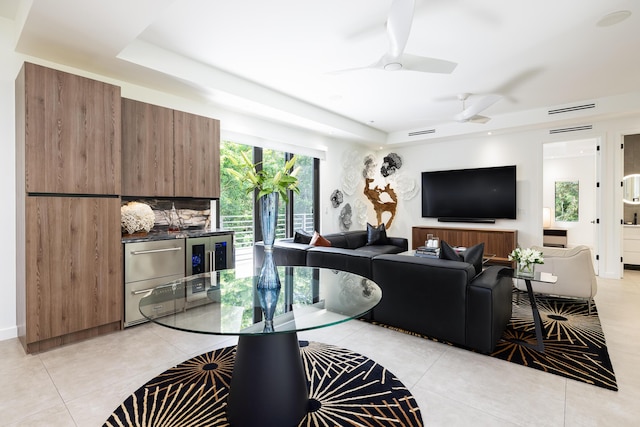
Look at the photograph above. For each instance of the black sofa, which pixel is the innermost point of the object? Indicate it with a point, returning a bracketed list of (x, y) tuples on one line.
[(349, 251), (444, 299)]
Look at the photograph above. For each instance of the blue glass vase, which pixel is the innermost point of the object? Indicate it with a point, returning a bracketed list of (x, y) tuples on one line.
[(268, 278)]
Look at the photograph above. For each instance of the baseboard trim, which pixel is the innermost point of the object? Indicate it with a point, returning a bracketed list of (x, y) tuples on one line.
[(8, 333)]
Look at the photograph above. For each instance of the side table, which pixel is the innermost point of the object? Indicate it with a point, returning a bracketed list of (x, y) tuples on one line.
[(537, 321)]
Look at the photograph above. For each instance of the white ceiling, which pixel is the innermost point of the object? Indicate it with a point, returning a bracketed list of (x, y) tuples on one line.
[(274, 58)]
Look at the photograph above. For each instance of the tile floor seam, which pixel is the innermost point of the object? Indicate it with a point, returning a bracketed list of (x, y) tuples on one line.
[(62, 399)]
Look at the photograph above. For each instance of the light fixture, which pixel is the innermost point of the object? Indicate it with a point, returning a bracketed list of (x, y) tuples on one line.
[(613, 18), (546, 217)]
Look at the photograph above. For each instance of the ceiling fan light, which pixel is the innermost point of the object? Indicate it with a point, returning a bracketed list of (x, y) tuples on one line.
[(393, 66)]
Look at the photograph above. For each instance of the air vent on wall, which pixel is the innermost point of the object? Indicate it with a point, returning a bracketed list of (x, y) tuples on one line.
[(570, 109), (571, 129), (422, 132)]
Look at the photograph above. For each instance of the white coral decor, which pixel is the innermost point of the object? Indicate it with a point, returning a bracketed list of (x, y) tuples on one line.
[(136, 216), (526, 257)]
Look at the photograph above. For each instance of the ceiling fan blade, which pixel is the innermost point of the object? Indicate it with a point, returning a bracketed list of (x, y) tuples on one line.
[(399, 26), (481, 105), (479, 119), (427, 65)]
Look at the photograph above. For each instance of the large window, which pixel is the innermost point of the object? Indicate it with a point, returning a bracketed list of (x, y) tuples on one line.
[(239, 212)]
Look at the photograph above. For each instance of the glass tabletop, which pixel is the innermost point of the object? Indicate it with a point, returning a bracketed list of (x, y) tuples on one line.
[(538, 276), (223, 303)]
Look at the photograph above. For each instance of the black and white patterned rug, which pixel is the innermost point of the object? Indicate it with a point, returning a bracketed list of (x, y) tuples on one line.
[(345, 389), (574, 342)]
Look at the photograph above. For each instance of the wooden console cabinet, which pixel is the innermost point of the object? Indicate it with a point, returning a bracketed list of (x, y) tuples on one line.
[(498, 242)]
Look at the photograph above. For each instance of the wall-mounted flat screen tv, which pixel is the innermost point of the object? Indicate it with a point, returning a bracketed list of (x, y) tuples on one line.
[(470, 195)]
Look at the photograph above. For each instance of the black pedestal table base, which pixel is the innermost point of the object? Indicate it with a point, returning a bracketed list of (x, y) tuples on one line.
[(268, 385)]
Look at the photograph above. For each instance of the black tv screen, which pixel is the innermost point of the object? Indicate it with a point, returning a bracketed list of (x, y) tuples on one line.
[(470, 194)]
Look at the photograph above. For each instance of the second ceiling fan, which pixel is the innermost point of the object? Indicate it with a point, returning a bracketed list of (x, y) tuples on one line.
[(398, 28), (471, 114)]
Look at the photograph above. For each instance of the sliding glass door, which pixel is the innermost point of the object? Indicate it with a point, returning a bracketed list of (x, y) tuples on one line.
[(239, 210)]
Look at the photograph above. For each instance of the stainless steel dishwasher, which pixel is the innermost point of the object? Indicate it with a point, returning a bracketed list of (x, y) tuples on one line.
[(147, 265)]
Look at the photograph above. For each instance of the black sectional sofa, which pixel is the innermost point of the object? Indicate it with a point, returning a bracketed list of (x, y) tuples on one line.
[(349, 251), (443, 299)]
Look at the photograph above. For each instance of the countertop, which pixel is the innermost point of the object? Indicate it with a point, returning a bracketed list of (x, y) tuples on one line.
[(163, 234)]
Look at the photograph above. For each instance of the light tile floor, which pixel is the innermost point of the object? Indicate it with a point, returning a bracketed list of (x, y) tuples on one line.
[(81, 384)]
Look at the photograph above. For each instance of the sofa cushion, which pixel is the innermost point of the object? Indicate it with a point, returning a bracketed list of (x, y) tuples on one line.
[(318, 240), (375, 250), (340, 259), (376, 235)]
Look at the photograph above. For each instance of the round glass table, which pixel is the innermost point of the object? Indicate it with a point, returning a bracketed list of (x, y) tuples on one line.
[(268, 385)]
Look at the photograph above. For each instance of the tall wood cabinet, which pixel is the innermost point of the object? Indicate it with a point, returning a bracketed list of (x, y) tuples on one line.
[(68, 179), (169, 153), (71, 134)]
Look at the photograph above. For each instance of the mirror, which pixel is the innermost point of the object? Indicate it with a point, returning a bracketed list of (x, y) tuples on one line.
[(631, 189)]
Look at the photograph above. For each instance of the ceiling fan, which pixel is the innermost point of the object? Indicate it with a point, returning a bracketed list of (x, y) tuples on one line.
[(471, 114), (398, 28)]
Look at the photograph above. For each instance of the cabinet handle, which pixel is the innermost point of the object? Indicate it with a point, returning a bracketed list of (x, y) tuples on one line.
[(141, 291), (153, 251)]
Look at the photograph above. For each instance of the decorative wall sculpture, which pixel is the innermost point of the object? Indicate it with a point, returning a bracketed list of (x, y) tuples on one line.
[(345, 218), (336, 198), (379, 205), (390, 164)]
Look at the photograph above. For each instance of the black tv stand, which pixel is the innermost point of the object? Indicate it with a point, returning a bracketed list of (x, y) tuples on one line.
[(473, 220)]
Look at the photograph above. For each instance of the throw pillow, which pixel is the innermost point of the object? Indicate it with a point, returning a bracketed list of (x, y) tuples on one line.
[(377, 235), (447, 252), (302, 236), (473, 256), (318, 240)]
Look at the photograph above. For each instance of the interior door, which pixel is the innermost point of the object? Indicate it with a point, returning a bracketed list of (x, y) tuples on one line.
[(574, 163)]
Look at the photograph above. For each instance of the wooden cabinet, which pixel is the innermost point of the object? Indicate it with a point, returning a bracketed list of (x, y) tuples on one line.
[(147, 149), (554, 237), (197, 156), (73, 269), (498, 242), (71, 129), (68, 182), (168, 153)]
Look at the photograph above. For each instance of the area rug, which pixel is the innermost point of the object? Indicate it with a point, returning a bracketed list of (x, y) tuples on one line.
[(345, 389), (574, 342)]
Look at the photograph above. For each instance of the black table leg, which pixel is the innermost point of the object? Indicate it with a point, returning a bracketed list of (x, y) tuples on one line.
[(537, 321), (268, 385)]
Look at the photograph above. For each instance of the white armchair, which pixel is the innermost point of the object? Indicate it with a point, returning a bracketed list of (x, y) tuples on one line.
[(574, 269)]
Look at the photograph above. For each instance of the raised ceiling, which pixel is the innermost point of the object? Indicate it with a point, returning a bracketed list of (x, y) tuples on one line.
[(275, 59)]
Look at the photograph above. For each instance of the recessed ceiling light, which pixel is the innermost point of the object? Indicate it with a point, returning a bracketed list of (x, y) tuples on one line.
[(613, 18)]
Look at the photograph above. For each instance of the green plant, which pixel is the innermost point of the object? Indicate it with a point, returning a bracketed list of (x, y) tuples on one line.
[(266, 182)]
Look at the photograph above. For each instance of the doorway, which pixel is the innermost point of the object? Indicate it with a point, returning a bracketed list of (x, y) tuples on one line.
[(570, 192)]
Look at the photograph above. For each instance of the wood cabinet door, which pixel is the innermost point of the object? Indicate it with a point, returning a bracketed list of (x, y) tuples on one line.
[(73, 265), (197, 156), (147, 149), (72, 133)]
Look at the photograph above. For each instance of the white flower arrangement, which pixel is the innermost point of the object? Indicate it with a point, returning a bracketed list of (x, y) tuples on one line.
[(136, 216), (526, 257)]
